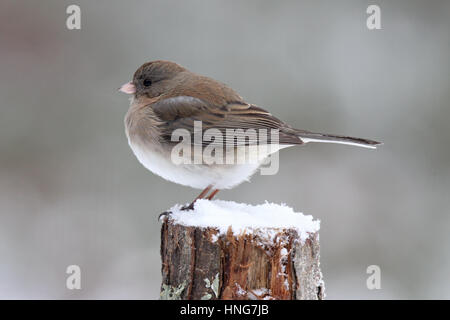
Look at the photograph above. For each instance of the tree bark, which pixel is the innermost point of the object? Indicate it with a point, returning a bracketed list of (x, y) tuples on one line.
[(200, 263)]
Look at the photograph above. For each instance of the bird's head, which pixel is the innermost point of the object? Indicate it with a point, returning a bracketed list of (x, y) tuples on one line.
[(152, 79)]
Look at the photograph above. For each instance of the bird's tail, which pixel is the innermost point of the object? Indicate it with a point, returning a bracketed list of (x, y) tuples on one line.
[(306, 137)]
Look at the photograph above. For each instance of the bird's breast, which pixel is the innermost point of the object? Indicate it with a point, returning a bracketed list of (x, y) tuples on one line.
[(141, 124)]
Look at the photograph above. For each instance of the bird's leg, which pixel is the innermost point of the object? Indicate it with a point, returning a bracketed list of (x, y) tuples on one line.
[(200, 196), (213, 194)]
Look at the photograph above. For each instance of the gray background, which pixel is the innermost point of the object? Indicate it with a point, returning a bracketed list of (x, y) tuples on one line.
[(71, 191)]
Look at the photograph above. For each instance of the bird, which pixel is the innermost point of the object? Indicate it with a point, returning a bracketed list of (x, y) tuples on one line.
[(167, 98)]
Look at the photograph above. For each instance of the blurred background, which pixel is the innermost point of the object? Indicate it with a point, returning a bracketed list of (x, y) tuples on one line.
[(72, 192)]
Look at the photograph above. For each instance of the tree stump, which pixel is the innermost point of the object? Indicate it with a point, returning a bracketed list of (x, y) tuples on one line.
[(210, 262)]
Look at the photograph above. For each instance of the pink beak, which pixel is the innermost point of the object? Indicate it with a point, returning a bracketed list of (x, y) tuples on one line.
[(128, 88)]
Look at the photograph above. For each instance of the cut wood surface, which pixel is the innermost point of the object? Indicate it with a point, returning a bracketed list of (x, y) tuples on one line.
[(201, 262)]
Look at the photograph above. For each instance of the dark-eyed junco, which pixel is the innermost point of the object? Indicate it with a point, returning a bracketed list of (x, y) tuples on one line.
[(168, 99)]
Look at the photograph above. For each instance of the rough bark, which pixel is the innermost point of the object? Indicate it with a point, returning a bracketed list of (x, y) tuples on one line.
[(200, 263)]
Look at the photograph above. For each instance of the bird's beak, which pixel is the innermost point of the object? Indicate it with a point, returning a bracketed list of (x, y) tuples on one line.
[(128, 88)]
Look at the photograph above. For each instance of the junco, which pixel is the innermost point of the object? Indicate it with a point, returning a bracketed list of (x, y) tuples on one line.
[(168, 98)]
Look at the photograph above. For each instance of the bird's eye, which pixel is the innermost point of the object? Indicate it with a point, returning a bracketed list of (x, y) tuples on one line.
[(147, 82)]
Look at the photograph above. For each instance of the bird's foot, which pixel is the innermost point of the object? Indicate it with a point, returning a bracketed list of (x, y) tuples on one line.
[(188, 207), (166, 214)]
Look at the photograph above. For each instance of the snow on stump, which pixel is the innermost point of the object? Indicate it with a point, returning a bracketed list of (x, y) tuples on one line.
[(228, 250)]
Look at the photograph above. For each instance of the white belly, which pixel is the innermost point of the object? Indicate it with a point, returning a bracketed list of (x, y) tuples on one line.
[(194, 175)]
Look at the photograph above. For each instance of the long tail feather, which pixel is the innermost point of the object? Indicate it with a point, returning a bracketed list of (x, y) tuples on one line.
[(330, 138)]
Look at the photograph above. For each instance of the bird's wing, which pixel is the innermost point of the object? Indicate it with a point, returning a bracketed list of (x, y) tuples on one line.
[(244, 119)]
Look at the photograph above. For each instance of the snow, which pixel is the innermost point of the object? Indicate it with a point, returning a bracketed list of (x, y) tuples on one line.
[(261, 291), (256, 294), (240, 291), (245, 218)]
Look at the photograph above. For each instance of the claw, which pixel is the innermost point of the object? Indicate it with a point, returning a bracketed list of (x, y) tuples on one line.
[(165, 214), (189, 207)]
